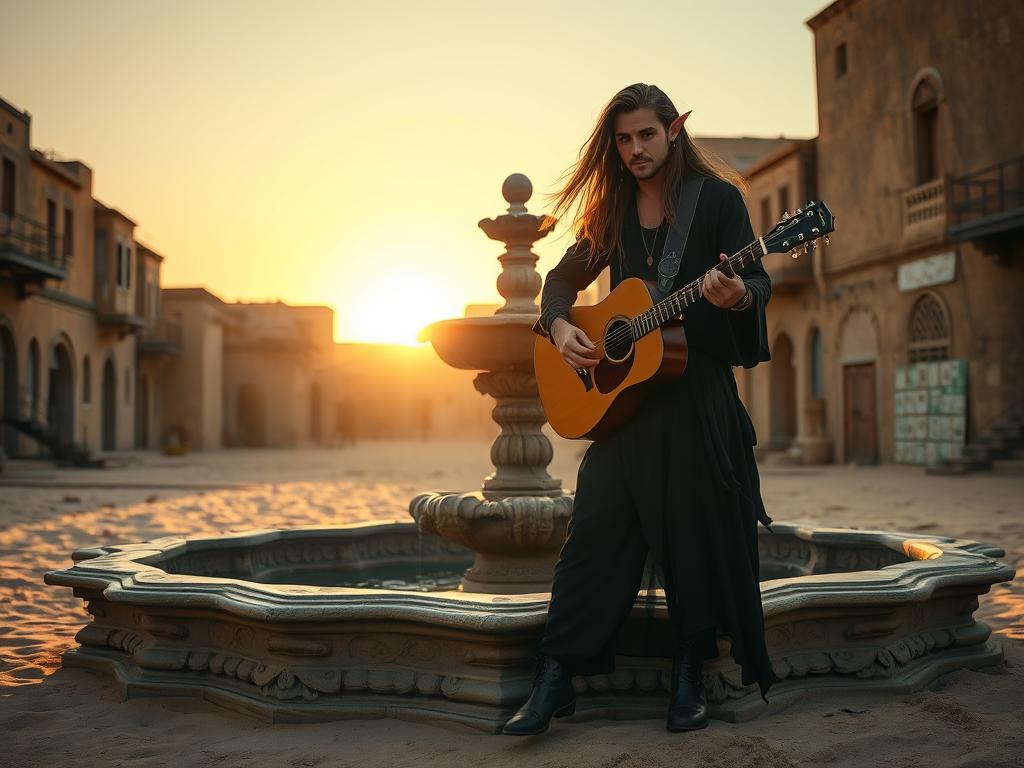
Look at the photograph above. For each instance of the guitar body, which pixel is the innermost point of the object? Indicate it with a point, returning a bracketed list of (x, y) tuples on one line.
[(597, 403)]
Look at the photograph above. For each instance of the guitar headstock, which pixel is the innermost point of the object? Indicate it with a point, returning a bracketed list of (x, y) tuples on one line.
[(798, 233)]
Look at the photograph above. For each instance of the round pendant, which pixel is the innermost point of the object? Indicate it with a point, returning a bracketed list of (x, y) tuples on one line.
[(650, 261)]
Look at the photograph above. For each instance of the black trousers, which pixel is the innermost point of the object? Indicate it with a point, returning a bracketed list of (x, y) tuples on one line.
[(600, 570)]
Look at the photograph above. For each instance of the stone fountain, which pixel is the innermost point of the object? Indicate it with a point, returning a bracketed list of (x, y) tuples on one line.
[(301, 624), (517, 522)]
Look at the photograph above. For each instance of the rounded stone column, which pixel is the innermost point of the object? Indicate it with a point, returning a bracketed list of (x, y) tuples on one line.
[(517, 522)]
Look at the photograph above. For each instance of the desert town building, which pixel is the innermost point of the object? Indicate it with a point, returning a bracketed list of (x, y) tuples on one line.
[(902, 339), (67, 304)]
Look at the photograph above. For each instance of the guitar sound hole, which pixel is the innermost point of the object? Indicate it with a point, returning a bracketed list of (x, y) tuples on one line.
[(618, 341)]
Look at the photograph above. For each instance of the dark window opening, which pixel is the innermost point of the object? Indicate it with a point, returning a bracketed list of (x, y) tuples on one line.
[(51, 228), (86, 381), (926, 132), (784, 199), (840, 59), (69, 232), (7, 191), (766, 214), (817, 377)]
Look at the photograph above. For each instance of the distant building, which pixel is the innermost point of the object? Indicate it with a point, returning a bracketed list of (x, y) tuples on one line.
[(741, 152), (277, 374)]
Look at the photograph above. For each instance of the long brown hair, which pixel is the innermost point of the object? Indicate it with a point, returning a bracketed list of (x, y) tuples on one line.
[(605, 187)]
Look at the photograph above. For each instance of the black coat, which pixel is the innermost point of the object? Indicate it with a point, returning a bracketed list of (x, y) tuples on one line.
[(688, 451)]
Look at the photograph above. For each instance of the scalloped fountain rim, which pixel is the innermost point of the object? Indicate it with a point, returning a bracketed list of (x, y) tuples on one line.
[(890, 628), (131, 571)]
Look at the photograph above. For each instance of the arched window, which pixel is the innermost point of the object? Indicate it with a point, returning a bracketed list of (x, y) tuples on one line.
[(925, 104), (817, 381), (86, 381), (928, 334)]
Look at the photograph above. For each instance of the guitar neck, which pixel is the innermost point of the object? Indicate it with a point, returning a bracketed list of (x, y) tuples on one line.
[(672, 306)]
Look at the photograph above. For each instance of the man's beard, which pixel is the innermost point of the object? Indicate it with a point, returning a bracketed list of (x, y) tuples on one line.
[(648, 174)]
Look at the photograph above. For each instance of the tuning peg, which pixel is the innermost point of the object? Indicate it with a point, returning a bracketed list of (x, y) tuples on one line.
[(785, 215), (813, 245), (794, 254), (827, 241)]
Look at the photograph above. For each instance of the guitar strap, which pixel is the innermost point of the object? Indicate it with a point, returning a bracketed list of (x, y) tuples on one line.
[(675, 240)]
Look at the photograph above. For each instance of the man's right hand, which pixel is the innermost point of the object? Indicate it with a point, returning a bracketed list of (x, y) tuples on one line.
[(576, 349)]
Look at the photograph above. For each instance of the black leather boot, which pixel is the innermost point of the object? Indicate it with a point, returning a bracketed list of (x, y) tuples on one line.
[(552, 695), (688, 703)]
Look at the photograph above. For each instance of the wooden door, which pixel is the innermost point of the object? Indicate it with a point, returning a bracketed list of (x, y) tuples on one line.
[(860, 413)]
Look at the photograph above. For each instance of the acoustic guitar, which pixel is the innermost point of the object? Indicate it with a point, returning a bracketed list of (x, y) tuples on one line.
[(642, 339)]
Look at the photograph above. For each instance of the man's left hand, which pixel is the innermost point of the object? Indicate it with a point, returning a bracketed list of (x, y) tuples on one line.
[(723, 291)]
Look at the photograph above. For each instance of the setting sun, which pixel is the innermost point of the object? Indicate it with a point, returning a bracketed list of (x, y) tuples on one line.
[(394, 305)]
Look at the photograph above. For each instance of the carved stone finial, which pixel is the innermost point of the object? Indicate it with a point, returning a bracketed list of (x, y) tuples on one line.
[(516, 190)]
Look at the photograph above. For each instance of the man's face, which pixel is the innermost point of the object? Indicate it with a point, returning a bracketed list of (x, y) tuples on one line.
[(642, 142)]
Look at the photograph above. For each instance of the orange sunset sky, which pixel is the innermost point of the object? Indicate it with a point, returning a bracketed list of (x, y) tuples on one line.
[(342, 153)]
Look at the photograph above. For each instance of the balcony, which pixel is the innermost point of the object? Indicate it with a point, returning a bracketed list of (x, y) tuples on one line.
[(788, 275), (924, 212), (29, 253), (989, 202), (115, 308), (161, 338)]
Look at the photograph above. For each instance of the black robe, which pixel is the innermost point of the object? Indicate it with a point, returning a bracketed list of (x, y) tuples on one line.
[(688, 451)]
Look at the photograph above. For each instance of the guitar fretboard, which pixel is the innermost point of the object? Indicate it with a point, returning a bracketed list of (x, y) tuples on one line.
[(672, 305)]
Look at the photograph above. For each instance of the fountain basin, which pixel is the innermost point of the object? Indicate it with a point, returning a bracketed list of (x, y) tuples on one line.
[(491, 343), (843, 608)]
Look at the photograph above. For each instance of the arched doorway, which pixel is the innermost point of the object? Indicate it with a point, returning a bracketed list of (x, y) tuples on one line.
[(142, 413), (60, 400), (252, 416), (783, 394), (858, 355), (8, 389), (32, 410), (315, 415), (109, 415)]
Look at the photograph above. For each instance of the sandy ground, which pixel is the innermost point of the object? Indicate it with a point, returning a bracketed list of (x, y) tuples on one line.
[(55, 717)]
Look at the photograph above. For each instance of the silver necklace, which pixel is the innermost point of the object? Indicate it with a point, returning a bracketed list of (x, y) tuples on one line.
[(643, 238)]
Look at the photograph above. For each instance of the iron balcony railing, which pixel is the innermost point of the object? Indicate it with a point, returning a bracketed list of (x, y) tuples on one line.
[(27, 244), (987, 192)]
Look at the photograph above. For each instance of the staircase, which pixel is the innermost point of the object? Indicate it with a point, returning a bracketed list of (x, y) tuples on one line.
[(999, 448), (64, 453)]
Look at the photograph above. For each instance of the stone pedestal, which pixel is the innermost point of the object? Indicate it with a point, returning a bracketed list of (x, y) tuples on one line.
[(517, 523)]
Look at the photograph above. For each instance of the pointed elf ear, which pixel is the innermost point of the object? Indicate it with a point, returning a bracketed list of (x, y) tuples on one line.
[(677, 125)]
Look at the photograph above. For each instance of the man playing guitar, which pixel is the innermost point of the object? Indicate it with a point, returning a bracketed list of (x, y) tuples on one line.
[(676, 482)]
